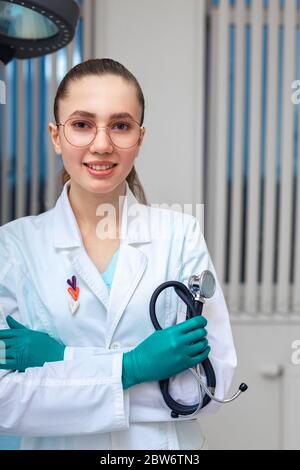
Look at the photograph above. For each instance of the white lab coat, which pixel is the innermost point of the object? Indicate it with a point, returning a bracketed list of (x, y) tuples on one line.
[(79, 403)]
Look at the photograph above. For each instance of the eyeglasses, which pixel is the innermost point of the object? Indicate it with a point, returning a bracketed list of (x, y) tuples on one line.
[(122, 134)]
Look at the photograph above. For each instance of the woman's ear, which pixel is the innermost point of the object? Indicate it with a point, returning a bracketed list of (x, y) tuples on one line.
[(54, 133), (142, 136)]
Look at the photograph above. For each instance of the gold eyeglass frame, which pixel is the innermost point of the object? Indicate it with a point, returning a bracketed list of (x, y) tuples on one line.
[(106, 128)]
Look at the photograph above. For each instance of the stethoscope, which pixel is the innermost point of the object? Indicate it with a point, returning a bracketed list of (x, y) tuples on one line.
[(199, 289)]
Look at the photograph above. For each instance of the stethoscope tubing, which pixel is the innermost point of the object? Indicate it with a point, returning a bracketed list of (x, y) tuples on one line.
[(194, 308)]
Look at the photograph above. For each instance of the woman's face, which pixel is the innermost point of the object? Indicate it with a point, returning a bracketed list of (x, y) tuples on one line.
[(102, 97)]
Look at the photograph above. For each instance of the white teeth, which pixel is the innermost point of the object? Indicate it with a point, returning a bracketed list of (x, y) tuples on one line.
[(100, 167)]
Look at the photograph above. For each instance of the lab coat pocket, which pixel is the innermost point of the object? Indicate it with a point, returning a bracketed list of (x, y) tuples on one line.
[(190, 435), (146, 436)]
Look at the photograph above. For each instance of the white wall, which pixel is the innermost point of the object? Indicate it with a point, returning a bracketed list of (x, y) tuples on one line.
[(158, 42)]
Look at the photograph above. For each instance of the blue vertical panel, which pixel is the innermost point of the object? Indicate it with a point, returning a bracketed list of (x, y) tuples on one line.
[(246, 146), (78, 50), (13, 97), (264, 96), (263, 143), (61, 64), (28, 129), (61, 70), (280, 103), (230, 132), (296, 184), (2, 117), (297, 108), (42, 129), (279, 140)]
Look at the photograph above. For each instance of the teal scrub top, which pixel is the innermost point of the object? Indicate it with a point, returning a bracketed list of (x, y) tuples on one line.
[(108, 274)]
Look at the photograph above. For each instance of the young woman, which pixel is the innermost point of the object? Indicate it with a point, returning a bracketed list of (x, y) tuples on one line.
[(81, 359)]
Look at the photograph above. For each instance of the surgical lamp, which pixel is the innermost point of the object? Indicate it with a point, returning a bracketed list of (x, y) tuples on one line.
[(35, 28)]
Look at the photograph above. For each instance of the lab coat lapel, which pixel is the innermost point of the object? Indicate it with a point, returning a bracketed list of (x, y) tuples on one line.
[(130, 268)]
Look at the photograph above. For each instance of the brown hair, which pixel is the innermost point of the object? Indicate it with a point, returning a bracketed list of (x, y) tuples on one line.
[(103, 67)]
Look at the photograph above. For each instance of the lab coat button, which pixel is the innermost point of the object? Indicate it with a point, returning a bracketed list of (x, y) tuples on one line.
[(115, 345)]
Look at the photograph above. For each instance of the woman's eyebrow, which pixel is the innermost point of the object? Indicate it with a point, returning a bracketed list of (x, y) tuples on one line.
[(92, 115)]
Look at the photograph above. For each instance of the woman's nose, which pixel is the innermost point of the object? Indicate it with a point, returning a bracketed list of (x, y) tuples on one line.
[(102, 141)]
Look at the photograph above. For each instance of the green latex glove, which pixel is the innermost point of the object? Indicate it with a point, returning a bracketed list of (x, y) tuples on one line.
[(166, 353), (23, 348)]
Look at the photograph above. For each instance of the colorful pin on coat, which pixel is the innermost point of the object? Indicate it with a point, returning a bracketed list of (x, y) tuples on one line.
[(74, 292)]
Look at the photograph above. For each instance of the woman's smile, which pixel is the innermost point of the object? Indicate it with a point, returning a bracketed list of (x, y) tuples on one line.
[(100, 170)]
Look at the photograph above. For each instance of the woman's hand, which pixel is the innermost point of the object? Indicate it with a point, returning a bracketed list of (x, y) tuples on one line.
[(166, 353), (21, 347)]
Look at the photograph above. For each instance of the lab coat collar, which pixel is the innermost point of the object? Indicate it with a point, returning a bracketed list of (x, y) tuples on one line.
[(135, 226)]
